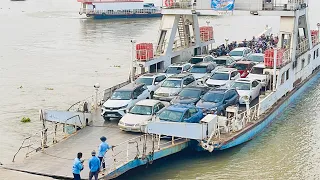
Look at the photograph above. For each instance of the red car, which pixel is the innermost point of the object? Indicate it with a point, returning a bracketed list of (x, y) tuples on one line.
[(243, 67)]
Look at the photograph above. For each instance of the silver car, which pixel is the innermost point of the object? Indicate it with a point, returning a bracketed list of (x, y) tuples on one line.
[(171, 87)]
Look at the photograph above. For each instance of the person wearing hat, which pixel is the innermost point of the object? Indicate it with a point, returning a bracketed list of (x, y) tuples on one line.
[(77, 166), (94, 166), (103, 148)]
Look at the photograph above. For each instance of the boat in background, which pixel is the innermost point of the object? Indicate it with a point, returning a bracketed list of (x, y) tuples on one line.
[(116, 9)]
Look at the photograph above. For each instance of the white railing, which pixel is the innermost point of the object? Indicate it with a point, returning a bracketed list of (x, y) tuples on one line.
[(302, 47), (135, 148), (249, 5), (118, 12)]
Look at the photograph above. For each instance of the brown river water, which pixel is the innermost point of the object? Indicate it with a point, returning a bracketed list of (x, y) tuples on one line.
[(50, 57)]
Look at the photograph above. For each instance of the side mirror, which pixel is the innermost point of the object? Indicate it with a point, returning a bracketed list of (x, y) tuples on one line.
[(233, 78), (156, 83)]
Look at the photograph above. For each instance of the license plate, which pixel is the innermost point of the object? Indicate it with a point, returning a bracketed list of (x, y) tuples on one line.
[(111, 115)]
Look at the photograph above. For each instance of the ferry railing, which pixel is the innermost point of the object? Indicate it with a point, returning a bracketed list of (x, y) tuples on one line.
[(302, 47), (38, 141), (141, 147), (282, 59), (118, 12), (315, 40), (262, 5)]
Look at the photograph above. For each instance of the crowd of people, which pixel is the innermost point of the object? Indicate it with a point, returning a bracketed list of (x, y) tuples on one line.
[(256, 44)]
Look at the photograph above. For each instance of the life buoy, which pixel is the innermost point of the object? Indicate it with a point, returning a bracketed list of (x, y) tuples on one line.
[(168, 3)]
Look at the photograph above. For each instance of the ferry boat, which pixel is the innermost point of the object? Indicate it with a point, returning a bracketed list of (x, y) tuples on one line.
[(114, 9), (293, 65)]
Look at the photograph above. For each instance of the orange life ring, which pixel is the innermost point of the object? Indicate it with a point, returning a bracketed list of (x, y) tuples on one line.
[(168, 3)]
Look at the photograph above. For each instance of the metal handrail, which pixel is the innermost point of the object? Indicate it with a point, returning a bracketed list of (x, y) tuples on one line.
[(119, 12)]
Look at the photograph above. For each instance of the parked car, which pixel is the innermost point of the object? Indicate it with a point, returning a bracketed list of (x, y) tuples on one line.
[(257, 73), (243, 67), (218, 100), (223, 77), (123, 99), (177, 68), (202, 71), (190, 95), (223, 61), (181, 113), (152, 81), (140, 114), (255, 57), (240, 53), (173, 85), (247, 89), (201, 58)]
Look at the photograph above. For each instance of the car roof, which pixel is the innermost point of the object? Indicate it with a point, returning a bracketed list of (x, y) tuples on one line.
[(243, 62), (179, 76), (203, 64), (260, 65), (180, 107), (240, 49), (178, 64), (226, 70), (245, 80), (148, 102), (223, 57), (202, 88), (152, 75), (130, 87), (218, 90), (257, 54)]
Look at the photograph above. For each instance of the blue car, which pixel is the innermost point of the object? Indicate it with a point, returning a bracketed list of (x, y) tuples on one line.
[(181, 113), (218, 100)]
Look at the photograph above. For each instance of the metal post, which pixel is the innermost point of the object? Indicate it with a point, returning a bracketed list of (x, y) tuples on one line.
[(318, 25), (172, 140), (159, 141), (133, 42), (128, 152), (96, 86), (275, 68)]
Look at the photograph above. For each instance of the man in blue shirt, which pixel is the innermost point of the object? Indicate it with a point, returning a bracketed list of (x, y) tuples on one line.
[(103, 148), (94, 166), (77, 166)]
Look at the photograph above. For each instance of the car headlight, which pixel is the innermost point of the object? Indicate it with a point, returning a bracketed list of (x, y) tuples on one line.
[(245, 98), (121, 123), (174, 94)]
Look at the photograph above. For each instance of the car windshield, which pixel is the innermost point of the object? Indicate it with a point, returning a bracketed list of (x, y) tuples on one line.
[(256, 70), (241, 86), (198, 69), (172, 83), (213, 97), (190, 93), (121, 95), (173, 70), (241, 66), (236, 53), (255, 58), (196, 60), (141, 110), (220, 76), (169, 115), (146, 81), (222, 62)]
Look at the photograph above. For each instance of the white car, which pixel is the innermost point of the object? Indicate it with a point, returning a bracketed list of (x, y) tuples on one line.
[(202, 71), (140, 114), (123, 99), (177, 68), (240, 53), (247, 89), (224, 61), (201, 58), (223, 77), (257, 73), (171, 87), (153, 81), (255, 57)]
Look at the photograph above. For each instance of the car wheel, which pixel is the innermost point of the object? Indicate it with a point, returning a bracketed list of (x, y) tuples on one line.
[(106, 118), (151, 95)]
